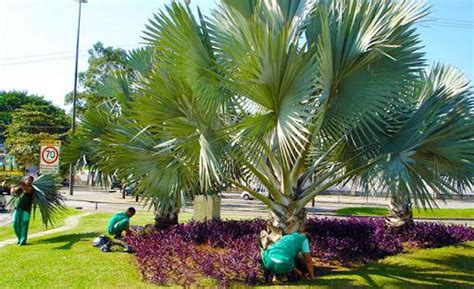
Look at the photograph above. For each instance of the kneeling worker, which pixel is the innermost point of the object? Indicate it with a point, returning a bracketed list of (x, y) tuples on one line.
[(279, 257), (119, 223)]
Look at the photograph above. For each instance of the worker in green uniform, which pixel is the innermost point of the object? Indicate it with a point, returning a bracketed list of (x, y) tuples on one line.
[(22, 213), (120, 222), (279, 257)]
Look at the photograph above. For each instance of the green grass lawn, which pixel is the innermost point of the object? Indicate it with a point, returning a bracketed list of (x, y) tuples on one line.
[(435, 213), (67, 260), (449, 267), (6, 232)]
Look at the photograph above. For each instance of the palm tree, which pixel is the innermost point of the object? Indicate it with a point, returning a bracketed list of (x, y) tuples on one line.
[(430, 152), (113, 140), (304, 95)]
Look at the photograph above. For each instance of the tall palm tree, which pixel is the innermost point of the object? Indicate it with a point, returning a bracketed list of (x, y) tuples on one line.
[(105, 135), (430, 152), (304, 95)]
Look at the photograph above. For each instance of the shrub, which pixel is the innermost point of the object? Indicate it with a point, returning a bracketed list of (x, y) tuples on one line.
[(227, 250)]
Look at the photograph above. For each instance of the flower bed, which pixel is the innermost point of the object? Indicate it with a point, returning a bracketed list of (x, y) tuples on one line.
[(227, 250)]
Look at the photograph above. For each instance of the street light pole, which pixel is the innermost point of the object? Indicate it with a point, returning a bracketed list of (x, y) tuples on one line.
[(74, 95)]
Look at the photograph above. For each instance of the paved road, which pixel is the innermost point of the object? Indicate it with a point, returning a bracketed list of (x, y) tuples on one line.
[(232, 204), (323, 204), (112, 201)]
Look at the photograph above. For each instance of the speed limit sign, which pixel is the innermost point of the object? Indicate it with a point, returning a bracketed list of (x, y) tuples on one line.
[(49, 157)]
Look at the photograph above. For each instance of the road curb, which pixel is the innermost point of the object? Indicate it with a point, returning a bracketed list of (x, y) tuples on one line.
[(416, 219)]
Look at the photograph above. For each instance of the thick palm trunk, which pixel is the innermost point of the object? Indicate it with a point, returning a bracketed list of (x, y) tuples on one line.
[(400, 212), (165, 219), (290, 222), (283, 221), (166, 212)]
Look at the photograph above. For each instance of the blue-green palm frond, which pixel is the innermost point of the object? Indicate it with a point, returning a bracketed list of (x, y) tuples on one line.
[(367, 52), (267, 67), (47, 199), (434, 151), (183, 48)]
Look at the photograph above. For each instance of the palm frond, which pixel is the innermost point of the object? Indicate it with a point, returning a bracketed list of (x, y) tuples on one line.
[(267, 67), (47, 199), (433, 152), (367, 52)]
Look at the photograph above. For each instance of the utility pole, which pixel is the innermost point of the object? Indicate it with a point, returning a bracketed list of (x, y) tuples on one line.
[(74, 95)]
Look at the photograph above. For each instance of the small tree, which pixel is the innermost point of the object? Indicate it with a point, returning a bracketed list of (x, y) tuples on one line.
[(111, 140), (12, 100), (102, 62), (30, 124)]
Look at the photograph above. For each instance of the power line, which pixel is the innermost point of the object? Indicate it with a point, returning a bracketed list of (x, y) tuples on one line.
[(49, 56), (454, 20), (448, 23), (452, 26), (453, 23), (39, 60), (37, 55), (64, 52)]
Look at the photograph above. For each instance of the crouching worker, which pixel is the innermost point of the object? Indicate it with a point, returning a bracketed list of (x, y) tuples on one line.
[(118, 224), (283, 257)]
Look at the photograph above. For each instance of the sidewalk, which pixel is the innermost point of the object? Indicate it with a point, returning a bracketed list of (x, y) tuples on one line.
[(69, 223), (5, 218), (100, 196)]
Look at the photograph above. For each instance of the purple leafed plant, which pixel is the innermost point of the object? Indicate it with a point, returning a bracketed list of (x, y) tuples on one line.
[(227, 250)]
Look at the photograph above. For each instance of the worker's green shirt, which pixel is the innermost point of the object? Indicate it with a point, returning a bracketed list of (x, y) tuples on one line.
[(119, 218), (279, 257), (290, 245)]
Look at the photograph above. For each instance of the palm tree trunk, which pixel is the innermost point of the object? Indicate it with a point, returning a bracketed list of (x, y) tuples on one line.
[(166, 213), (400, 212), (165, 219), (289, 222), (283, 221)]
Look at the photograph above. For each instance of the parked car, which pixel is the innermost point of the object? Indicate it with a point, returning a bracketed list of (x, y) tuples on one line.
[(247, 196), (115, 183), (129, 189)]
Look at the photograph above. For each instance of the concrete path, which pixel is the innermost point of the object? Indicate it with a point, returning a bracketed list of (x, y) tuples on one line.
[(5, 218), (69, 223)]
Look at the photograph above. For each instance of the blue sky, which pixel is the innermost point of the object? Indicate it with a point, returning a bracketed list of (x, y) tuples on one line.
[(37, 37)]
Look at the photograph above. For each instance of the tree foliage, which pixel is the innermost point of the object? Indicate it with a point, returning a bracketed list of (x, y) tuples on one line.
[(102, 62), (47, 199), (11, 100), (29, 125)]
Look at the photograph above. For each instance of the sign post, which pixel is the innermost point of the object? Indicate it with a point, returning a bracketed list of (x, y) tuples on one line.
[(49, 157)]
